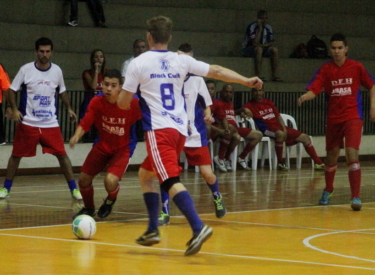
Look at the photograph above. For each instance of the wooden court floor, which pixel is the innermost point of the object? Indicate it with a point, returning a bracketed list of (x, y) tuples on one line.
[(273, 226)]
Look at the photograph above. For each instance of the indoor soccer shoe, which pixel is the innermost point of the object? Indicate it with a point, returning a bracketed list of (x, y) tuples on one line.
[(220, 210), (4, 193), (356, 204), (195, 243), (220, 164), (85, 211), (319, 166), (243, 164), (163, 219), (326, 196), (148, 239), (282, 167), (76, 194), (106, 208), (228, 165)]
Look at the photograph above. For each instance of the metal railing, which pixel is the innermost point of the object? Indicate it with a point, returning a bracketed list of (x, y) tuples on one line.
[(310, 117)]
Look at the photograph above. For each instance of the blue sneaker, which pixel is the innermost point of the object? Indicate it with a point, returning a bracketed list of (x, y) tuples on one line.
[(356, 204), (324, 200)]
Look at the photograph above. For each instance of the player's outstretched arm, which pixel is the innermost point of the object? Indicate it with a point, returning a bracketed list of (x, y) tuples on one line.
[(305, 97), (227, 75)]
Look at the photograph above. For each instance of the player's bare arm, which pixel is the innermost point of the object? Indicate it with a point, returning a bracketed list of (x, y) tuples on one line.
[(65, 100), (227, 75), (15, 115), (124, 99), (76, 137), (372, 103), (208, 118), (305, 97)]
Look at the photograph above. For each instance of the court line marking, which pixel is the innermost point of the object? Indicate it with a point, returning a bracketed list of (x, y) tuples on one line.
[(307, 240), (201, 252)]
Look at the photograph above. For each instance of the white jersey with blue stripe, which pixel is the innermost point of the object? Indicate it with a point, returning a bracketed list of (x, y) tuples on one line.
[(158, 77), (197, 99), (39, 87)]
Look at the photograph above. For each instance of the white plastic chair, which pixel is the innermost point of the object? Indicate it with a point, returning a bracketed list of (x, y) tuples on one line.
[(211, 148), (255, 151)]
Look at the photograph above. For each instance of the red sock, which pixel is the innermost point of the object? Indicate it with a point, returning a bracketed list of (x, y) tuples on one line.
[(223, 148), (330, 172), (310, 150), (249, 147), (113, 194), (88, 196), (355, 178), (279, 146)]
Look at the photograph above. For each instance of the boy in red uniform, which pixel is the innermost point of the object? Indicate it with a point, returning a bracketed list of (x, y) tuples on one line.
[(341, 79), (270, 123), (115, 145)]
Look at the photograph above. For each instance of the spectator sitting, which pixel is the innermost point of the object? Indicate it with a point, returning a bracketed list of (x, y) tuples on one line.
[(259, 43), (96, 9)]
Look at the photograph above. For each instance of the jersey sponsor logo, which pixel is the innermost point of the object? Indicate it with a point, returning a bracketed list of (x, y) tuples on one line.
[(42, 114), (114, 120), (341, 91), (115, 130), (164, 65), (43, 82), (44, 101), (340, 82), (267, 114), (170, 75), (173, 117)]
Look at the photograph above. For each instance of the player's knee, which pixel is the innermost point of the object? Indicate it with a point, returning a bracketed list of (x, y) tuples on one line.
[(354, 166), (167, 184), (257, 135)]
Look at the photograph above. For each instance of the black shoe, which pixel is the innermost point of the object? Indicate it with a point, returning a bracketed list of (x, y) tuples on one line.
[(148, 239), (220, 210), (196, 242), (85, 211), (106, 208)]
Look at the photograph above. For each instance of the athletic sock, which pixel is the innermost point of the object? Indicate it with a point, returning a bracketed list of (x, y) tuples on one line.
[(8, 184), (112, 196), (279, 146), (152, 204), (186, 206), (88, 196), (330, 172), (354, 178), (310, 150), (223, 148), (164, 201), (248, 148), (72, 185), (214, 189)]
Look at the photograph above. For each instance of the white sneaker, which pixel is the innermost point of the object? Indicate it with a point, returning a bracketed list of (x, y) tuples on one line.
[(4, 193), (220, 164), (228, 165), (73, 23), (243, 164), (76, 194)]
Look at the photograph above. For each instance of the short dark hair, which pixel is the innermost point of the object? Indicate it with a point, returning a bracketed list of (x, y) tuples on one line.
[(186, 48), (113, 73), (339, 37), (261, 13), (160, 28), (209, 81), (43, 41), (137, 41)]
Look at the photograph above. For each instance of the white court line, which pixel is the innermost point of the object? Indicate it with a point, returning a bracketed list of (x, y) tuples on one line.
[(306, 242), (204, 253)]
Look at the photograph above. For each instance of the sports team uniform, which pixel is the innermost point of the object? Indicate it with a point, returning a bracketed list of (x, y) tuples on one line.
[(197, 98), (158, 78), (37, 105), (230, 116), (125, 66), (4, 85), (266, 37), (265, 116), (218, 114), (345, 111), (115, 145)]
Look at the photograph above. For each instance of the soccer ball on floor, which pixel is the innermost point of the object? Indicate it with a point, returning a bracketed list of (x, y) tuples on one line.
[(84, 227)]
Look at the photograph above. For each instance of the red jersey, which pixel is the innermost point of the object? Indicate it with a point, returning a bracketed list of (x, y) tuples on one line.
[(342, 86), (4, 82), (216, 109), (112, 123), (264, 113), (227, 106)]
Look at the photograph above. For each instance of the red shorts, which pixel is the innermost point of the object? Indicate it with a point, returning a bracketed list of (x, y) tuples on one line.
[(243, 132), (350, 130), (197, 156), (163, 151), (26, 138), (291, 134), (97, 160)]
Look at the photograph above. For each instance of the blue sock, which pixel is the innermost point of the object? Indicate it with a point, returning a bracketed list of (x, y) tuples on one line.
[(164, 201), (8, 184), (186, 206), (214, 189), (72, 185), (152, 205)]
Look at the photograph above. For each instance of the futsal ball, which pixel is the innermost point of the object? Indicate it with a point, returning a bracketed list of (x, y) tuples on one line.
[(84, 227)]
